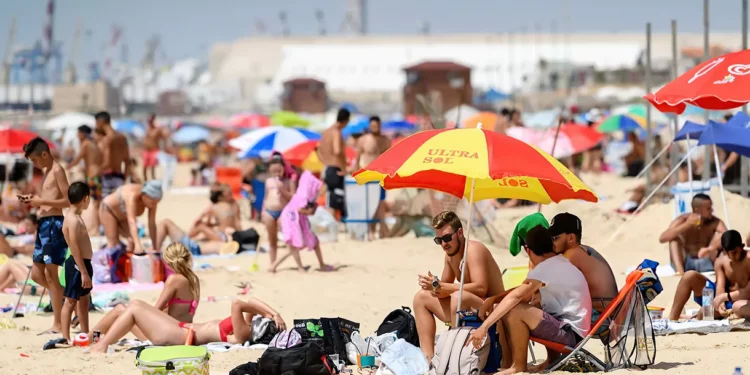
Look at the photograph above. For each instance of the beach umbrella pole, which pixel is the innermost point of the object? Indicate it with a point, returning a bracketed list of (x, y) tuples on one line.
[(690, 167), (466, 252), (653, 160), (721, 186)]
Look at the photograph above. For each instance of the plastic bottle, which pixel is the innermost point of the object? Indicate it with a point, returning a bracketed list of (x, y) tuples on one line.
[(737, 371), (707, 307)]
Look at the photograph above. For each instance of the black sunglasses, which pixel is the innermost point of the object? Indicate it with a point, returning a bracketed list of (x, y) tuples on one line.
[(446, 238)]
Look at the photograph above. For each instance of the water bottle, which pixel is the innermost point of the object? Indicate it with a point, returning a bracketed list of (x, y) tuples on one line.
[(707, 306), (737, 371)]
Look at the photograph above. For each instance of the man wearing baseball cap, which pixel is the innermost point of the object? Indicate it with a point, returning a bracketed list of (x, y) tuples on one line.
[(566, 230)]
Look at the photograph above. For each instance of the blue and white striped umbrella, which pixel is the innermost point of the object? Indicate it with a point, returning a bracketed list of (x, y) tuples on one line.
[(260, 142)]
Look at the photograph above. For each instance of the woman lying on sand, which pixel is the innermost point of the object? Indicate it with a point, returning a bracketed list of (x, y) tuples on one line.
[(180, 295), (162, 329), (168, 229)]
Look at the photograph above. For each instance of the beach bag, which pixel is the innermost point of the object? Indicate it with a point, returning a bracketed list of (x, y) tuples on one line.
[(495, 353), (173, 360), (286, 339), (263, 330), (306, 359), (649, 284), (111, 265), (337, 333), (311, 331), (250, 368), (402, 322), (248, 239), (454, 357)]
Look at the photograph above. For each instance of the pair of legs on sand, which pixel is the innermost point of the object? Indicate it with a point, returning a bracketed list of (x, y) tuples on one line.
[(168, 229), (272, 226), (46, 275), (693, 282), (513, 329)]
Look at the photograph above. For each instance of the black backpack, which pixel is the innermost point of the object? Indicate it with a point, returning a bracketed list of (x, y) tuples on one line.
[(305, 359), (248, 239), (402, 322)]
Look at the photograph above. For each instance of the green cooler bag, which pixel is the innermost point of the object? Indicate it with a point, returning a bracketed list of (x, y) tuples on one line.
[(173, 360)]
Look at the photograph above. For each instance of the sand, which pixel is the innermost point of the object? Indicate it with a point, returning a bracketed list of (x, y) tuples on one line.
[(380, 276)]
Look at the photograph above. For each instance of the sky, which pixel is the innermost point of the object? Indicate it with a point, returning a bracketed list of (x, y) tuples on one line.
[(188, 28)]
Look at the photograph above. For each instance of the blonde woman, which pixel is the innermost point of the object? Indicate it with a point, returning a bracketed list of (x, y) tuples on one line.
[(180, 295)]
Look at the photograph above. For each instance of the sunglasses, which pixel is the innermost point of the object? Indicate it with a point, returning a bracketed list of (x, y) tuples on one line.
[(446, 238)]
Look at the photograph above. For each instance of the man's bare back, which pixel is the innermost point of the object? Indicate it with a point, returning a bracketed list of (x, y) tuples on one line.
[(598, 274), (115, 152), (92, 158), (370, 146), (332, 141)]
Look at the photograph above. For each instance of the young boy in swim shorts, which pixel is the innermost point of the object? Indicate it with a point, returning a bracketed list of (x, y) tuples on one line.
[(78, 268), (50, 247)]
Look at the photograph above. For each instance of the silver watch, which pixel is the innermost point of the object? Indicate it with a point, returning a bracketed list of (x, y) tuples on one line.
[(435, 283)]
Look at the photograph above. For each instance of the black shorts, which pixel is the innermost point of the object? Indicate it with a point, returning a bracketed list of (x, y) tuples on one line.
[(336, 198), (73, 281)]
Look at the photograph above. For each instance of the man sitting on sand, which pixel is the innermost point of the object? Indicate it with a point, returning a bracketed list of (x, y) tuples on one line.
[(438, 297), (694, 238), (731, 287)]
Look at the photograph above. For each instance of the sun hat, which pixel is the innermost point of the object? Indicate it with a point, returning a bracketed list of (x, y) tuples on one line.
[(152, 189), (522, 228)]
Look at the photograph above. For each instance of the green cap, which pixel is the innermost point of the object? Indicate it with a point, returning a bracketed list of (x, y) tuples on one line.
[(523, 227)]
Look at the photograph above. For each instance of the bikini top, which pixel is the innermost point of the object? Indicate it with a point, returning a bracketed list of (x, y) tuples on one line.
[(193, 304)]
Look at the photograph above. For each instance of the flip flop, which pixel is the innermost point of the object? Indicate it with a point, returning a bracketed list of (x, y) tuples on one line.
[(48, 332), (229, 248), (56, 344)]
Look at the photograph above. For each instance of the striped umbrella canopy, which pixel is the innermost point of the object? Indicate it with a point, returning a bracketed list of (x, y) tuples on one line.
[(261, 142)]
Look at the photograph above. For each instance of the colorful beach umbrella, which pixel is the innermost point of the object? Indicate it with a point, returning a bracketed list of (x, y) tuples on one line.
[(12, 140), (717, 84), (623, 122), (289, 119), (130, 127), (262, 141), (190, 134), (487, 119), (571, 140), (305, 156), (249, 121)]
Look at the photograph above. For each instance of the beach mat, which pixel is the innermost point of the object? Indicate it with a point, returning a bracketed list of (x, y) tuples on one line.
[(664, 327)]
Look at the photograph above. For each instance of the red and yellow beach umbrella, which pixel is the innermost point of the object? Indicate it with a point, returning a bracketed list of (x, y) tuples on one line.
[(305, 156), (450, 160)]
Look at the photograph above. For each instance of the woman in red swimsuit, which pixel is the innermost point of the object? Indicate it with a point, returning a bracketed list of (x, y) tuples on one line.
[(162, 329), (180, 295)]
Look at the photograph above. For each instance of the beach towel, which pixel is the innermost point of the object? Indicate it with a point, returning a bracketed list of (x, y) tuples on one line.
[(294, 226), (523, 227), (664, 327)]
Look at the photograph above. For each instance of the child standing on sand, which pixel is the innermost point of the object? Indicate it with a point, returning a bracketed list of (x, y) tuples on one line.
[(50, 247), (296, 227), (78, 268), (278, 193)]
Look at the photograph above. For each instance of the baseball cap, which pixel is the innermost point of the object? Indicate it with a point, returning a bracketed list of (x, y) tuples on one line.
[(565, 223)]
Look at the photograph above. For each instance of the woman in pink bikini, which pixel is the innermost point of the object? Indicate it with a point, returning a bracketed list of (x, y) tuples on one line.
[(179, 297), (162, 329)]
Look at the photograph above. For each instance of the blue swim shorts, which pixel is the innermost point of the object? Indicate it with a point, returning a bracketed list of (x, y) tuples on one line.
[(50, 246)]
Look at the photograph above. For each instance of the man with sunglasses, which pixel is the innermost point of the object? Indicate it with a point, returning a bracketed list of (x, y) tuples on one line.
[(438, 297)]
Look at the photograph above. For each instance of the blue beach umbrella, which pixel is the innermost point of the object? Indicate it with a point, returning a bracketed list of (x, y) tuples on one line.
[(261, 142), (399, 126), (190, 134)]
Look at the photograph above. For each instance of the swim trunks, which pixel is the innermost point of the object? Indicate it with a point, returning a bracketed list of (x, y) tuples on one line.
[(552, 329), (336, 198), (193, 246), (50, 246), (712, 285), (111, 181), (698, 264), (74, 280), (150, 158), (95, 187)]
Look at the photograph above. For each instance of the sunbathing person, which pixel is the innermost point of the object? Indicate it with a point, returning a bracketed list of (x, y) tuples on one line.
[(694, 238), (119, 210), (12, 273), (732, 275), (438, 297), (223, 211), (168, 229), (179, 298), (162, 329), (552, 304)]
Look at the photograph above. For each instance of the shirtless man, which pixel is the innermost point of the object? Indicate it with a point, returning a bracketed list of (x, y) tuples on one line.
[(92, 159), (438, 297), (50, 248), (369, 147), (694, 239), (223, 211), (732, 280), (151, 142), (116, 167), (332, 154)]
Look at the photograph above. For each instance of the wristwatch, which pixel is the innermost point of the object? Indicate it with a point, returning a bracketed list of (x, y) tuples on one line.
[(435, 283)]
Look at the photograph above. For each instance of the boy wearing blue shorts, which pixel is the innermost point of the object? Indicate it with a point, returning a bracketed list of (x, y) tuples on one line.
[(78, 268), (50, 247)]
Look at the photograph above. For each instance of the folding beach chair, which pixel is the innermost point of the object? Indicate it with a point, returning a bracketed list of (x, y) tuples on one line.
[(628, 342), (23, 290)]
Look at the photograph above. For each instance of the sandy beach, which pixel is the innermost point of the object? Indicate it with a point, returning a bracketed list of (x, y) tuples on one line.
[(380, 276)]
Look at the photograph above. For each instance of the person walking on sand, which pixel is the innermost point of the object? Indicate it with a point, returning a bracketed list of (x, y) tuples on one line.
[(78, 268), (91, 156), (116, 166), (151, 147), (332, 154), (50, 247), (295, 225), (732, 276), (438, 296), (694, 238), (369, 147), (278, 194)]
